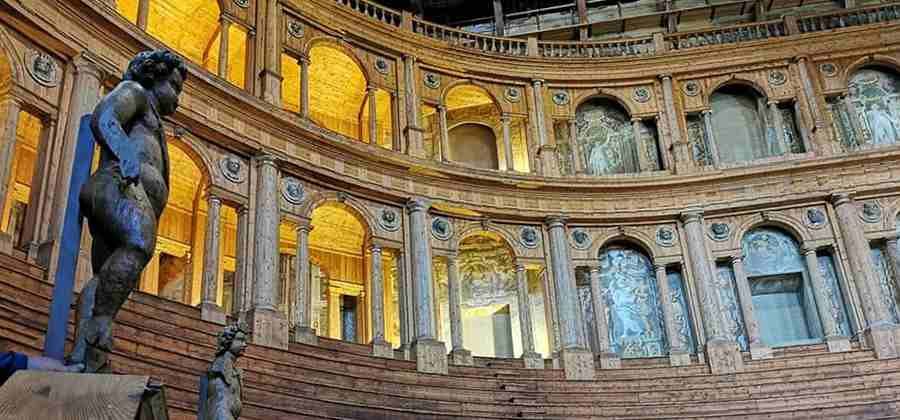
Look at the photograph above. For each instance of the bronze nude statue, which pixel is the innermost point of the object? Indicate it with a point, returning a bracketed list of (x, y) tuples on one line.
[(124, 198), (224, 380)]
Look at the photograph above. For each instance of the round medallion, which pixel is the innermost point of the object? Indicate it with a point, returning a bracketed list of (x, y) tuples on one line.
[(828, 69), (528, 236), (871, 213), (292, 190), (295, 29), (560, 97), (641, 95), (232, 169), (43, 69), (432, 80), (381, 65), (441, 228), (777, 78), (243, 4), (815, 218), (581, 239), (512, 94), (691, 88), (719, 231), (665, 236), (389, 220)]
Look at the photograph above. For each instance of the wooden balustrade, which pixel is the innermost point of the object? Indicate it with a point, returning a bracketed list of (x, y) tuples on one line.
[(848, 18), (597, 49), (727, 35), (483, 43), (374, 11)]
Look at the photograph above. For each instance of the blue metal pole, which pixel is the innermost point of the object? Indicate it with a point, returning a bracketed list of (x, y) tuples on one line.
[(69, 244)]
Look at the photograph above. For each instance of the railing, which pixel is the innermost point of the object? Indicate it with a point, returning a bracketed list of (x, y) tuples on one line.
[(374, 11), (597, 49), (730, 35), (483, 43), (847, 18)]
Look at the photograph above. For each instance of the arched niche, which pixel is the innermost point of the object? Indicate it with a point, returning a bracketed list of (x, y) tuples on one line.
[(474, 145), (606, 142), (739, 125), (870, 114), (337, 90)]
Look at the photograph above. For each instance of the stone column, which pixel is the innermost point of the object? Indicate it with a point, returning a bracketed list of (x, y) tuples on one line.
[(380, 346), (373, 117), (10, 108), (531, 358), (577, 360), (444, 133), (678, 353), (242, 281), (269, 326), (711, 146), (458, 355), (407, 323), (304, 86), (812, 101), (430, 354), (577, 159), (881, 333), (638, 158), (836, 342), (608, 359), (546, 151), (672, 122), (224, 26), (758, 349), (414, 139), (271, 78), (210, 310), (143, 13), (303, 331), (723, 352), (778, 126), (507, 143)]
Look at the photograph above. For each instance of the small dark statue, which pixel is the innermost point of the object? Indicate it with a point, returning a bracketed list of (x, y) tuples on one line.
[(124, 199), (224, 380)]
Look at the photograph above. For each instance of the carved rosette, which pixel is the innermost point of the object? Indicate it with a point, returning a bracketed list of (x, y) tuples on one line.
[(389, 220), (295, 29), (777, 78), (232, 169), (561, 97), (829, 69), (815, 218), (441, 228), (528, 237), (581, 239), (381, 65), (243, 4), (641, 95), (870, 213), (665, 236), (292, 190), (43, 69), (691, 88), (432, 80), (512, 94), (719, 231)]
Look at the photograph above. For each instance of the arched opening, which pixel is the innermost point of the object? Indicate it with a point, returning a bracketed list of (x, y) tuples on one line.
[(888, 275), (607, 142), (634, 315), (193, 29), (29, 132), (738, 125), (870, 115), (474, 145), (782, 296), (337, 91)]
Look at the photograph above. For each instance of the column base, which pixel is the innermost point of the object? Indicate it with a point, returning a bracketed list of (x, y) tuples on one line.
[(210, 312), (430, 356), (724, 356), (679, 358), (404, 352), (578, 364), (837, 344), (555, 360), (306, 335), (6, 243), (268, 328), (271, 84), (883, 339), (415, 143), (382, 349), (549, 160), (610, 360), (760, 352), (461, 357), (533, 360)]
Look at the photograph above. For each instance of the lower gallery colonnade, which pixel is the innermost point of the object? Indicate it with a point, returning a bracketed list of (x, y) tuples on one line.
[(325, 186)]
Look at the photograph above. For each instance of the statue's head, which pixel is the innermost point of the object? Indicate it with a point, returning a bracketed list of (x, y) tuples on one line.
[(160, 72), (233, 339)]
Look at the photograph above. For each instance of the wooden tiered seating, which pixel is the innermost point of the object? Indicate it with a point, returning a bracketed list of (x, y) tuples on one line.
[(338, 380)]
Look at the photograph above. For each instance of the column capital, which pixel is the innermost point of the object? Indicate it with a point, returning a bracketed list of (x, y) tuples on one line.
[(555, 221), (691, 216), (243, 209), (303, 225), (225, 19), (808, 249), (736, 259), (841, 197), (520, 268), (892, 237), (772, 102), (505, 117), (441, 107), (537, 82), (636, 119), (659, 267), (303, 59), (664, 76), (594, 268), (416, 204), (800, 58), (213, 199), (706, 111), (265, 159), (375, 247), (371, 89), (84, 62), (408, 57)]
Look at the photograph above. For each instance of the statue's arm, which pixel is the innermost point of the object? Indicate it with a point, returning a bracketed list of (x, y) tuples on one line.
[(127, 101)]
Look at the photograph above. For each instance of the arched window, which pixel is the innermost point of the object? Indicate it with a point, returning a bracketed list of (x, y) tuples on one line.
[(635, 320), (606, 140), (474, 145), (870, 114), (783, 300), (738, 125), (337, 91)]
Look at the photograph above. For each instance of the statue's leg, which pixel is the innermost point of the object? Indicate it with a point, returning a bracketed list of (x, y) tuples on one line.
[(100, 252)]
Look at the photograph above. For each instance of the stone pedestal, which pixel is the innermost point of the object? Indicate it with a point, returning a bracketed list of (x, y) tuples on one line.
[(609, 360), (839, 344), (306, 335), (724, 356), (883, 339), (461, 357), (533, 360), (679, 358), (430, 356), (578, 364), (268, 328), (759, 352), (211, 312), (381, 348)]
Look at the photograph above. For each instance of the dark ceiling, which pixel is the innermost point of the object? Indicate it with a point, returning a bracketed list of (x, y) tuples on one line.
[(451, 11)]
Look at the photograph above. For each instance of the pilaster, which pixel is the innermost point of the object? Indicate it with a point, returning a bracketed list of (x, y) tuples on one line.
[(210, 310)]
